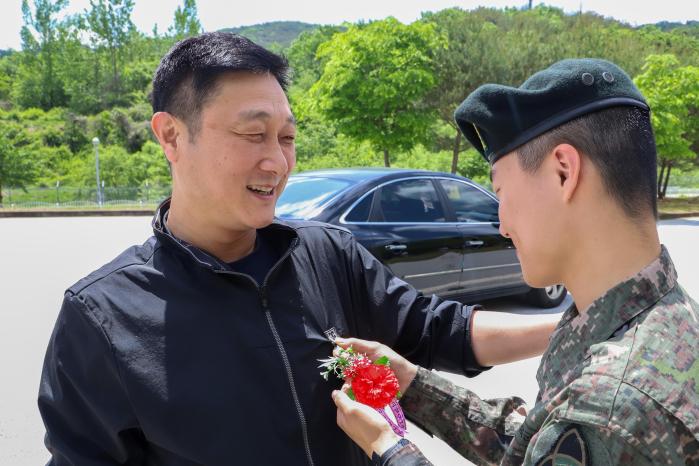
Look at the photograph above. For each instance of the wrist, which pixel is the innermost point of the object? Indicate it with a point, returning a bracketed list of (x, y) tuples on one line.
[(383, 443), (411, 373)]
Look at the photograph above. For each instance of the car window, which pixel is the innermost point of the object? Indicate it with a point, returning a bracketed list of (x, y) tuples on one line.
[(411, 201), (304, 195), (360, 212), (470, 204)]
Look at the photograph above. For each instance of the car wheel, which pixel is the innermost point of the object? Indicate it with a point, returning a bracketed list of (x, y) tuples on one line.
[(548, 297)]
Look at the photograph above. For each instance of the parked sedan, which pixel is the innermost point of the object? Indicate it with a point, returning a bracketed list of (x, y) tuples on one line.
[(437, 231)]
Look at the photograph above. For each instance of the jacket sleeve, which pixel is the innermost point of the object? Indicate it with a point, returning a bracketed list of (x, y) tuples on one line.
[(480, 430), (428, 331), (85, 409)]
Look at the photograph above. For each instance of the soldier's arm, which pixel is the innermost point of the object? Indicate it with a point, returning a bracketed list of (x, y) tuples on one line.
[(480, 430), (577, 444)]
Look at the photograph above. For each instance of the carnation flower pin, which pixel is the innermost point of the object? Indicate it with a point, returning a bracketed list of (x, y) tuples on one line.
[(371, 383)]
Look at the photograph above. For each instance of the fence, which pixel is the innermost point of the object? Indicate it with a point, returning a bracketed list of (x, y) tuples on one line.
[(86, 197)]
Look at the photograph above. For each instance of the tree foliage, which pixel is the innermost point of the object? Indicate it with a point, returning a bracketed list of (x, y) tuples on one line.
[(357, 89), (186, 23), (374, 80), (672, 91), (15, 169)]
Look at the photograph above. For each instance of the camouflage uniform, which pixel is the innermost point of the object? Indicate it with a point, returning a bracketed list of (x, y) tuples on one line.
[(618, 384)]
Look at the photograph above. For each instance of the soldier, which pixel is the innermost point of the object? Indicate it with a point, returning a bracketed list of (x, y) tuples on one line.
[(574, 164)]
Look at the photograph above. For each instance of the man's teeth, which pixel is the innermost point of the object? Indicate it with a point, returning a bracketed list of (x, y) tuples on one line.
[(260, 189)]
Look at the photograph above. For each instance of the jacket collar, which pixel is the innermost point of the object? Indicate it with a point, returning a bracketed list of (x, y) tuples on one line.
[(280, 232), (606, 316)]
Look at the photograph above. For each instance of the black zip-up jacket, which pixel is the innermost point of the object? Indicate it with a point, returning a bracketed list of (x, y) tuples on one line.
[(167, 357)]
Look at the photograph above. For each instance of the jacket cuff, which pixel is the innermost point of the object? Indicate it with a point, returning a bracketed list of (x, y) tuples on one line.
[(471, 367), (403, 453)]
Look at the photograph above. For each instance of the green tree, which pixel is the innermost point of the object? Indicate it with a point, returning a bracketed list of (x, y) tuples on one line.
[(39, 83), (672, 92), (374, 80), (111, 26), (186, 23), (15, 169), (463, 65)]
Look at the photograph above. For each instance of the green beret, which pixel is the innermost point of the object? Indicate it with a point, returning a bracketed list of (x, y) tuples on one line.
[(497, 119)]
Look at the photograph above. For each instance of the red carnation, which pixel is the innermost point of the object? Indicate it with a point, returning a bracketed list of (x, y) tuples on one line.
[(375, 385)]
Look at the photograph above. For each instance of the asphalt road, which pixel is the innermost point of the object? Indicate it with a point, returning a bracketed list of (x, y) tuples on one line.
[(40, 257)]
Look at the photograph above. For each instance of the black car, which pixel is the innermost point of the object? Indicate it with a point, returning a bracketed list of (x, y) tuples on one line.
[(437, 231)]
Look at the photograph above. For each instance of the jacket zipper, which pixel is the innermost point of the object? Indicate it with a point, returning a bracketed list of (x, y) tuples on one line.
[(285, 357), (278, 341)]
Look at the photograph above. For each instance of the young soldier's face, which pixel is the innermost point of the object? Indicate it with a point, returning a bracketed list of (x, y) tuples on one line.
[(241, 157), (529, 215)]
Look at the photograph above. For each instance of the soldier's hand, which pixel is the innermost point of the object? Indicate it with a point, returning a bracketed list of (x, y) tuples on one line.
[(363, 424), (405, 370)]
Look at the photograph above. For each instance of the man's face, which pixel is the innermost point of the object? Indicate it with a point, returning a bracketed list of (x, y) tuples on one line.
[(239, 162), (530, 216)]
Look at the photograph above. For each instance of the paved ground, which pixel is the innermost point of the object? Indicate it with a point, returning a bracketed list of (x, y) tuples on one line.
[(40, 257)]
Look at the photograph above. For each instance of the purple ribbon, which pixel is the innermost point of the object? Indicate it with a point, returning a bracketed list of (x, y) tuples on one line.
[(400, 428)]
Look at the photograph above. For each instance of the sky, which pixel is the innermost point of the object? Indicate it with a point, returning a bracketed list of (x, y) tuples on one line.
[(217, 14)]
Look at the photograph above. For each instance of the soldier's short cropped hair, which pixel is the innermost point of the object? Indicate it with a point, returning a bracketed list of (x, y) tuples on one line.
[(620, 143), (188, 74)]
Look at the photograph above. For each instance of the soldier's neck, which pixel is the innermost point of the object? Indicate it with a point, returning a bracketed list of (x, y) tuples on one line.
[(608, 254)]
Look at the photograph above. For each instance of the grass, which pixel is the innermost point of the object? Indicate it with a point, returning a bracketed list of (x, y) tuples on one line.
[(679, 205)]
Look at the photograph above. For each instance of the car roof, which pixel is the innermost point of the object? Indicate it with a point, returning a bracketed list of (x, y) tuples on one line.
[(356, 175)]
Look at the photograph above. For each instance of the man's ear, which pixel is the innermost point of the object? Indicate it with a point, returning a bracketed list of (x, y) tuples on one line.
[(169, 132), (568, 166)]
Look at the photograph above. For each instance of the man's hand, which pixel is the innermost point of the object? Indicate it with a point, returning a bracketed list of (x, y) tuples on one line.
[(363, 424), (405, 370)]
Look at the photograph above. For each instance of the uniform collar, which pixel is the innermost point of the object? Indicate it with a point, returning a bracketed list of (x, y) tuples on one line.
[(611, 313), (626, 300)]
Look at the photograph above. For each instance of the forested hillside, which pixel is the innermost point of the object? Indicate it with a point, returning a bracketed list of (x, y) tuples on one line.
[(372, 93)]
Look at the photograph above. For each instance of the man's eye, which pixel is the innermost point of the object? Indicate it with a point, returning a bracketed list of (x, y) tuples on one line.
[(289, 139)]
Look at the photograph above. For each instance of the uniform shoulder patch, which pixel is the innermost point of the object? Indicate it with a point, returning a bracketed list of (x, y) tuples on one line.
[(570, 449)]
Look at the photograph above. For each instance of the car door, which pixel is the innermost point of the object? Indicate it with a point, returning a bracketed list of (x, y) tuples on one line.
[(489, 260), (408, 231)]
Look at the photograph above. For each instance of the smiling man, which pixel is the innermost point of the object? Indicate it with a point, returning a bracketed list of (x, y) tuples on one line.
[(201, 346), (574, 165)]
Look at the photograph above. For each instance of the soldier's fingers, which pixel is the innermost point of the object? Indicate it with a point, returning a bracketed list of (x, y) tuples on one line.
[(342, 401), (361, 346)]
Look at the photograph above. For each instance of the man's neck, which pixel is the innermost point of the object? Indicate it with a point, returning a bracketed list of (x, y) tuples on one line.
[(604, 257), (226, 245)]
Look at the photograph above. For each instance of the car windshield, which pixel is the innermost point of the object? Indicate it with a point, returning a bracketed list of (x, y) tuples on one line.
[(304, 195)]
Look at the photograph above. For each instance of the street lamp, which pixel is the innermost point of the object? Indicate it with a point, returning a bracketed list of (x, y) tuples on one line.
[(96, 143)]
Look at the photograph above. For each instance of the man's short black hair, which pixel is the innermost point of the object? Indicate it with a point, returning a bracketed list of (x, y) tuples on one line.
[(620, 143), (188, 74)]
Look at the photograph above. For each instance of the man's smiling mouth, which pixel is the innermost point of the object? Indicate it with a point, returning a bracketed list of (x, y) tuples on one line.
[(261, 190)]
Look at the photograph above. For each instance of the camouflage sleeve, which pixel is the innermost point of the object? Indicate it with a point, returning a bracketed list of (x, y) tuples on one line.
[(577, 445), (479, 430)]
